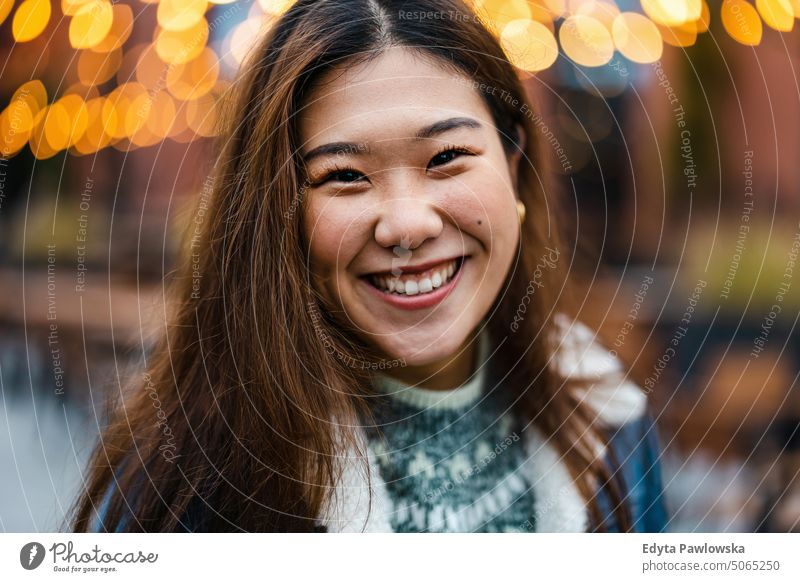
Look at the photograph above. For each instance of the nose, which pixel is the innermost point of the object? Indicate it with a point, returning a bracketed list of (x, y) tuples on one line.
[(407, 221)]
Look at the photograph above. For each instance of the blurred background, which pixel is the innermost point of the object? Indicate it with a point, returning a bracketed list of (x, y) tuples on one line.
[(673, 126)]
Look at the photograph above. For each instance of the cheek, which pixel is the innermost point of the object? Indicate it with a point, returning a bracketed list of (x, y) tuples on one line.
[(335, 232), (483, 206)]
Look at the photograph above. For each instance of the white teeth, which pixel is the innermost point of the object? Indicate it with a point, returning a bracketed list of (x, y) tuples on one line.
[(408, 285)]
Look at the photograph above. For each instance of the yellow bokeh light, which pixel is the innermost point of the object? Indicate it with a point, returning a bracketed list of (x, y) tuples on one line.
[(34, 93), (82, 91), (741, 21), (556, 8), (180, 14), (637, 38), (78, 116), (498, 13), (684, 35), (5, 9), (109, 119), (119, 124), (121, 29), (94, 138), (19, 117), (145, 138), (162, 115), (195, 78), (136, 110), (529, 45), (56, 126), (16, 123), (704, 21), (181, 46), (777, 14), (71, 7), (672, 12), (38, 142), (150, 68), (91, 23), (130, 62), (275, 6), (201, 115), (179, 130), (542, 13), (179, 66), (30, 19), (141, 109), (97, 68), (586, 41)]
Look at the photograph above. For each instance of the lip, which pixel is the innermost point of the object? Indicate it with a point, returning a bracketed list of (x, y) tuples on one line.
[(424, 301), (411, 269)]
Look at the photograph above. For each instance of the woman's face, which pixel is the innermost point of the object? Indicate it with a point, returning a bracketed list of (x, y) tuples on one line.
[(410, 204)]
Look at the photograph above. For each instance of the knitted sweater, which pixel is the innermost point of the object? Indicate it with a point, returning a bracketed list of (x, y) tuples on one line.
[(450, 459)]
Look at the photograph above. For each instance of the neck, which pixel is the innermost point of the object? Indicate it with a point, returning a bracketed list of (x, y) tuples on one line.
[(445, 374)]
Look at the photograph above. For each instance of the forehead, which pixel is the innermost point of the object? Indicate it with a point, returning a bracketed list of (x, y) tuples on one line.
[(390, 95)]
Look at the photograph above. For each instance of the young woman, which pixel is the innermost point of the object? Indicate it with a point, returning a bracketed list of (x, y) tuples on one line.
[(379, 340)]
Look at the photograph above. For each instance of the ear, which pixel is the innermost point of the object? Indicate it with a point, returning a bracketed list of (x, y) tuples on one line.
[(515, 155)]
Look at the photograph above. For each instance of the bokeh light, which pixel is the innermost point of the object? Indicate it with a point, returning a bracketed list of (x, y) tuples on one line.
[(586, 40), (777, 14), (529, 44), (187, 59), (637, 38), (741, 21), (30, 19), (91, 24)]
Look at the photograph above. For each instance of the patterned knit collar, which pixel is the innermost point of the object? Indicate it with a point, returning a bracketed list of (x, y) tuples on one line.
[(424, 398)]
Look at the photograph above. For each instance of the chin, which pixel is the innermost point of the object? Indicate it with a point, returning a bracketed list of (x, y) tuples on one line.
[(420, 349)]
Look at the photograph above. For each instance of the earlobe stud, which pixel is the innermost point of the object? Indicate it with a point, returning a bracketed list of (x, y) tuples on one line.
[(521, 211)]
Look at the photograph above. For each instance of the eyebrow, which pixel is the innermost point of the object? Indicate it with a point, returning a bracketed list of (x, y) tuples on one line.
[(427, 132)]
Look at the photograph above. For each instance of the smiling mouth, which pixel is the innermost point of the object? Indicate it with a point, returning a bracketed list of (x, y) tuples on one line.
[(410, 284)]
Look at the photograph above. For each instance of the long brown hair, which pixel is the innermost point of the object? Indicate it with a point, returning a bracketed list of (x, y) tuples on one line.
[(248, 373)]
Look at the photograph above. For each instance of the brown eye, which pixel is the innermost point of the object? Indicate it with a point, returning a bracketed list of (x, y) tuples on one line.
[(447, 156), (345, 175)]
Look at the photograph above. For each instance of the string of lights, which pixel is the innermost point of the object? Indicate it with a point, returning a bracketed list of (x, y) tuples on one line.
[(126, 94)]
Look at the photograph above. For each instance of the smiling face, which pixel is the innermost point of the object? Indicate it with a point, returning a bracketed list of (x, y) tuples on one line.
[(410, 214)]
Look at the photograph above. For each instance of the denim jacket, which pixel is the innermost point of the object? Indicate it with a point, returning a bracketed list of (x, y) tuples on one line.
[(637, 453)]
